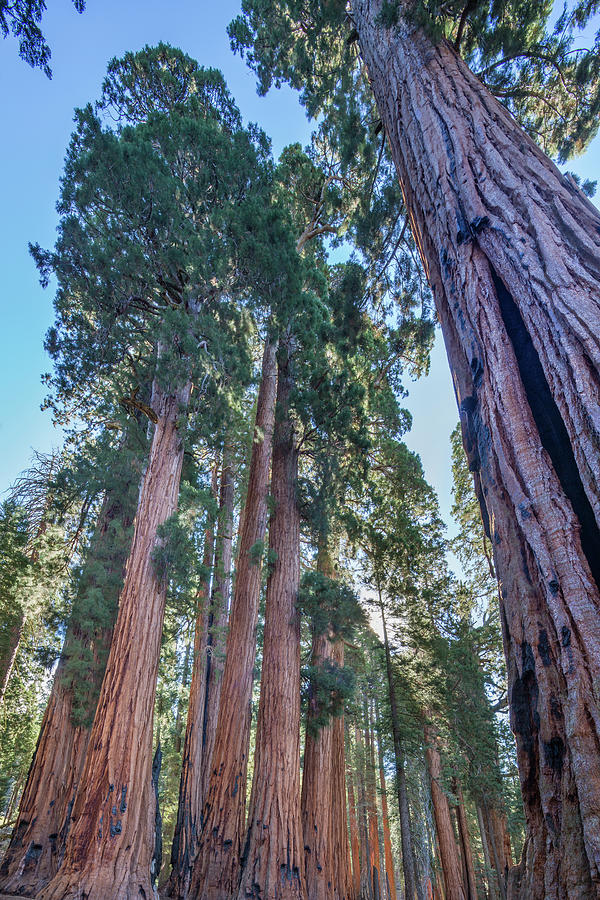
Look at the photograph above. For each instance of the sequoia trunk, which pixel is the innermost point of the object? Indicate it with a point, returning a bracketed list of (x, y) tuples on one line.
[(216, 872), (408, 856), (111, 842), (387, 840), (274, 855), (511, 248), (449, 858), (215, 657), (465, 842), (354, 844), (189, 808), (374, 860), (339, 817), (316, 806), (38, 840)]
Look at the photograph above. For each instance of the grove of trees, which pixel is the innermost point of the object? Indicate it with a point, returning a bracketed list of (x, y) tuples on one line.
[(239, 656)]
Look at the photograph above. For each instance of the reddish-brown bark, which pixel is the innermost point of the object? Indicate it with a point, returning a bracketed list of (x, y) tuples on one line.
[(491, 874), (219, 613), (342, 872), (449, 857), (274, 856), (189, 807), (354, 842), (316, 805), (111, 842), (37, 843), (408, 857), (390, 881), (363, 827), (465, 842), (216, 872), (372, 815), (511, 249)]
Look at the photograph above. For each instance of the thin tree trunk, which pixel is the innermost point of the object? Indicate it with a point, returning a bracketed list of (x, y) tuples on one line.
[(339, 818), (189, 807), (354, 842), (111, 842), (443, 823), (274, 857), (185, 675), (37, 843), (408, 856), (316, 807), (512, 251), (490, 869), (366, 887), (217, 868), (13, 641), (465, 842), (374, 861), (215, 659), (387, 840)]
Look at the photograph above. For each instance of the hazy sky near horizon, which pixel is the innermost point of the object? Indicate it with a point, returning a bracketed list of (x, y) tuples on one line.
[(37, 118)]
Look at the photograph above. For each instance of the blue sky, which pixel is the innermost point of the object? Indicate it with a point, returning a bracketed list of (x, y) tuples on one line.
[(37, 115)]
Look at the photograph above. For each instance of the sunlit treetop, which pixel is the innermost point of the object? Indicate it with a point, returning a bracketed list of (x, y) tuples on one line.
[(542, 64)]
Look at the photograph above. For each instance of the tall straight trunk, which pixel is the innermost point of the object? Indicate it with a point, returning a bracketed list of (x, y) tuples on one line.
[(363, 827), (111, 842), (189, 807), (511, 248), (354, 842), (494, 888), (465, 841), (38, 840), (408, 855), (185, 677), (449, 857), (274, 856), (374, 860), (387, 838), (217, 868), (339, 816), (219, 613), (316, 807), (498, 842)]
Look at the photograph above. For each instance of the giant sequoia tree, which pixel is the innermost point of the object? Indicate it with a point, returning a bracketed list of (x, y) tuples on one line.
[(511, 250)]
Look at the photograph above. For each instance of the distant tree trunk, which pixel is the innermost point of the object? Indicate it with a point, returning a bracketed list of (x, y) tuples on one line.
[(366, 885), (374, 861), (316, 806), (408, 856), (185, 676), (37, 844), (339, 816), (11, 648), (354, 842), (219, 612), (465, 841), (490, 870), (189, 807), (274, 856), (111, 842), (387, 839), (511, 248), (449, 858), (217, 868)]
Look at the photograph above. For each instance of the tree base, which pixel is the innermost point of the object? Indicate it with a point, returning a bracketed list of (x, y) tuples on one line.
[(99, 884)]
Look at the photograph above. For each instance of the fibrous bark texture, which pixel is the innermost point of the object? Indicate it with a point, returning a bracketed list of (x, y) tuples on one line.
[(342, 872), (219, 613), (354, 842), (371, 796), (449, 857), (511, 248), (111, 842), (217, 868), (189, 807), (37, 844), (465, 842), (316, 806), (390, 882), (274, 856)]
